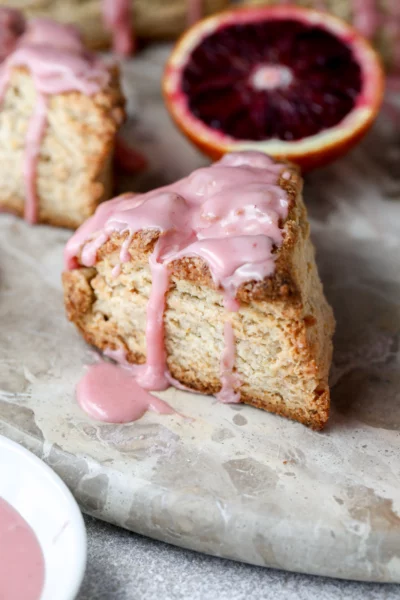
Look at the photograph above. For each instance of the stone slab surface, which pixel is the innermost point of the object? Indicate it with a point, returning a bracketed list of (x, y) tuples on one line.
[(234, 482)]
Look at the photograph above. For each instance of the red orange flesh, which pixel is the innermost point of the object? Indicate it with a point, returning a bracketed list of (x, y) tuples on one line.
[(308, 152)]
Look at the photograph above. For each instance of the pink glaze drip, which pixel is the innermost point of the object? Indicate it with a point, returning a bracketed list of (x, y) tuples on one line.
[(34, 137), (119, 356), (118, 19), (21, 558), (229, 379), (89, 252), (229, 215), (195, 11), (151, 376), (116, 271), (110, 393), (12, 25), (58, 62), (366, 17), (48, 32)]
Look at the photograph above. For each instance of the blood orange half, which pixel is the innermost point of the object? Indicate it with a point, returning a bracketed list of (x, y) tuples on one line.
[(292, 82)]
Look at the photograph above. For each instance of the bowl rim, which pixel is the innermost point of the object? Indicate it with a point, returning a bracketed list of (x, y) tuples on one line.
[(74, 511)]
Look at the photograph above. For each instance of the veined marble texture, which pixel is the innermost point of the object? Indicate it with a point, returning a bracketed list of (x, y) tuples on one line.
[(235, 481)]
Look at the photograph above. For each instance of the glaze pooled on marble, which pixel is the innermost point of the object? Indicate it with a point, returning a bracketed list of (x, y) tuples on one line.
[(111, 394), (21, 559)]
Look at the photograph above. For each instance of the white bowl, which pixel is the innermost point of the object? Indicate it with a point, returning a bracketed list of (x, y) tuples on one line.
[(48, 506)]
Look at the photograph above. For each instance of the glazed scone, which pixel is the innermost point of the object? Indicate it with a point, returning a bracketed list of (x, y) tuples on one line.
[(149, 18), (228, 249), (61, 109), (377, 20)]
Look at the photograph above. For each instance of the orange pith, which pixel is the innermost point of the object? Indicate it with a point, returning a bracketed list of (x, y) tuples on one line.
[(308, 152)]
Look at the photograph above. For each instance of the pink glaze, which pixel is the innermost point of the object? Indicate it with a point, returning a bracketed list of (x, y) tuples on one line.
[(119, 356), (110, 393), (195, 11), (46, 31), (12, 25), (34, 137), (154, 374), (229, 379), (116, 271), (21, 558), (118, 19), (57, 59), (151, 376), (366, 17), (229, 215), (58, 62), (117, 16)]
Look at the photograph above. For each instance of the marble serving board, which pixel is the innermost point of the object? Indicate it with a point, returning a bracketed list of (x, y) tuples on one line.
[(233, 481)]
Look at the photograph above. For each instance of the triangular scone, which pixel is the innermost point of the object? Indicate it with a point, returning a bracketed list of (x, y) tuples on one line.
[(279, 336)]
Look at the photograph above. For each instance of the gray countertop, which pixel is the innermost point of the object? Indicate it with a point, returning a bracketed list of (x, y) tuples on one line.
[(125, 566)]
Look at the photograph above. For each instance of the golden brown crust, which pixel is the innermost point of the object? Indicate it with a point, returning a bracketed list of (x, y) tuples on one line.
[(283, 329), (74, 171)]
